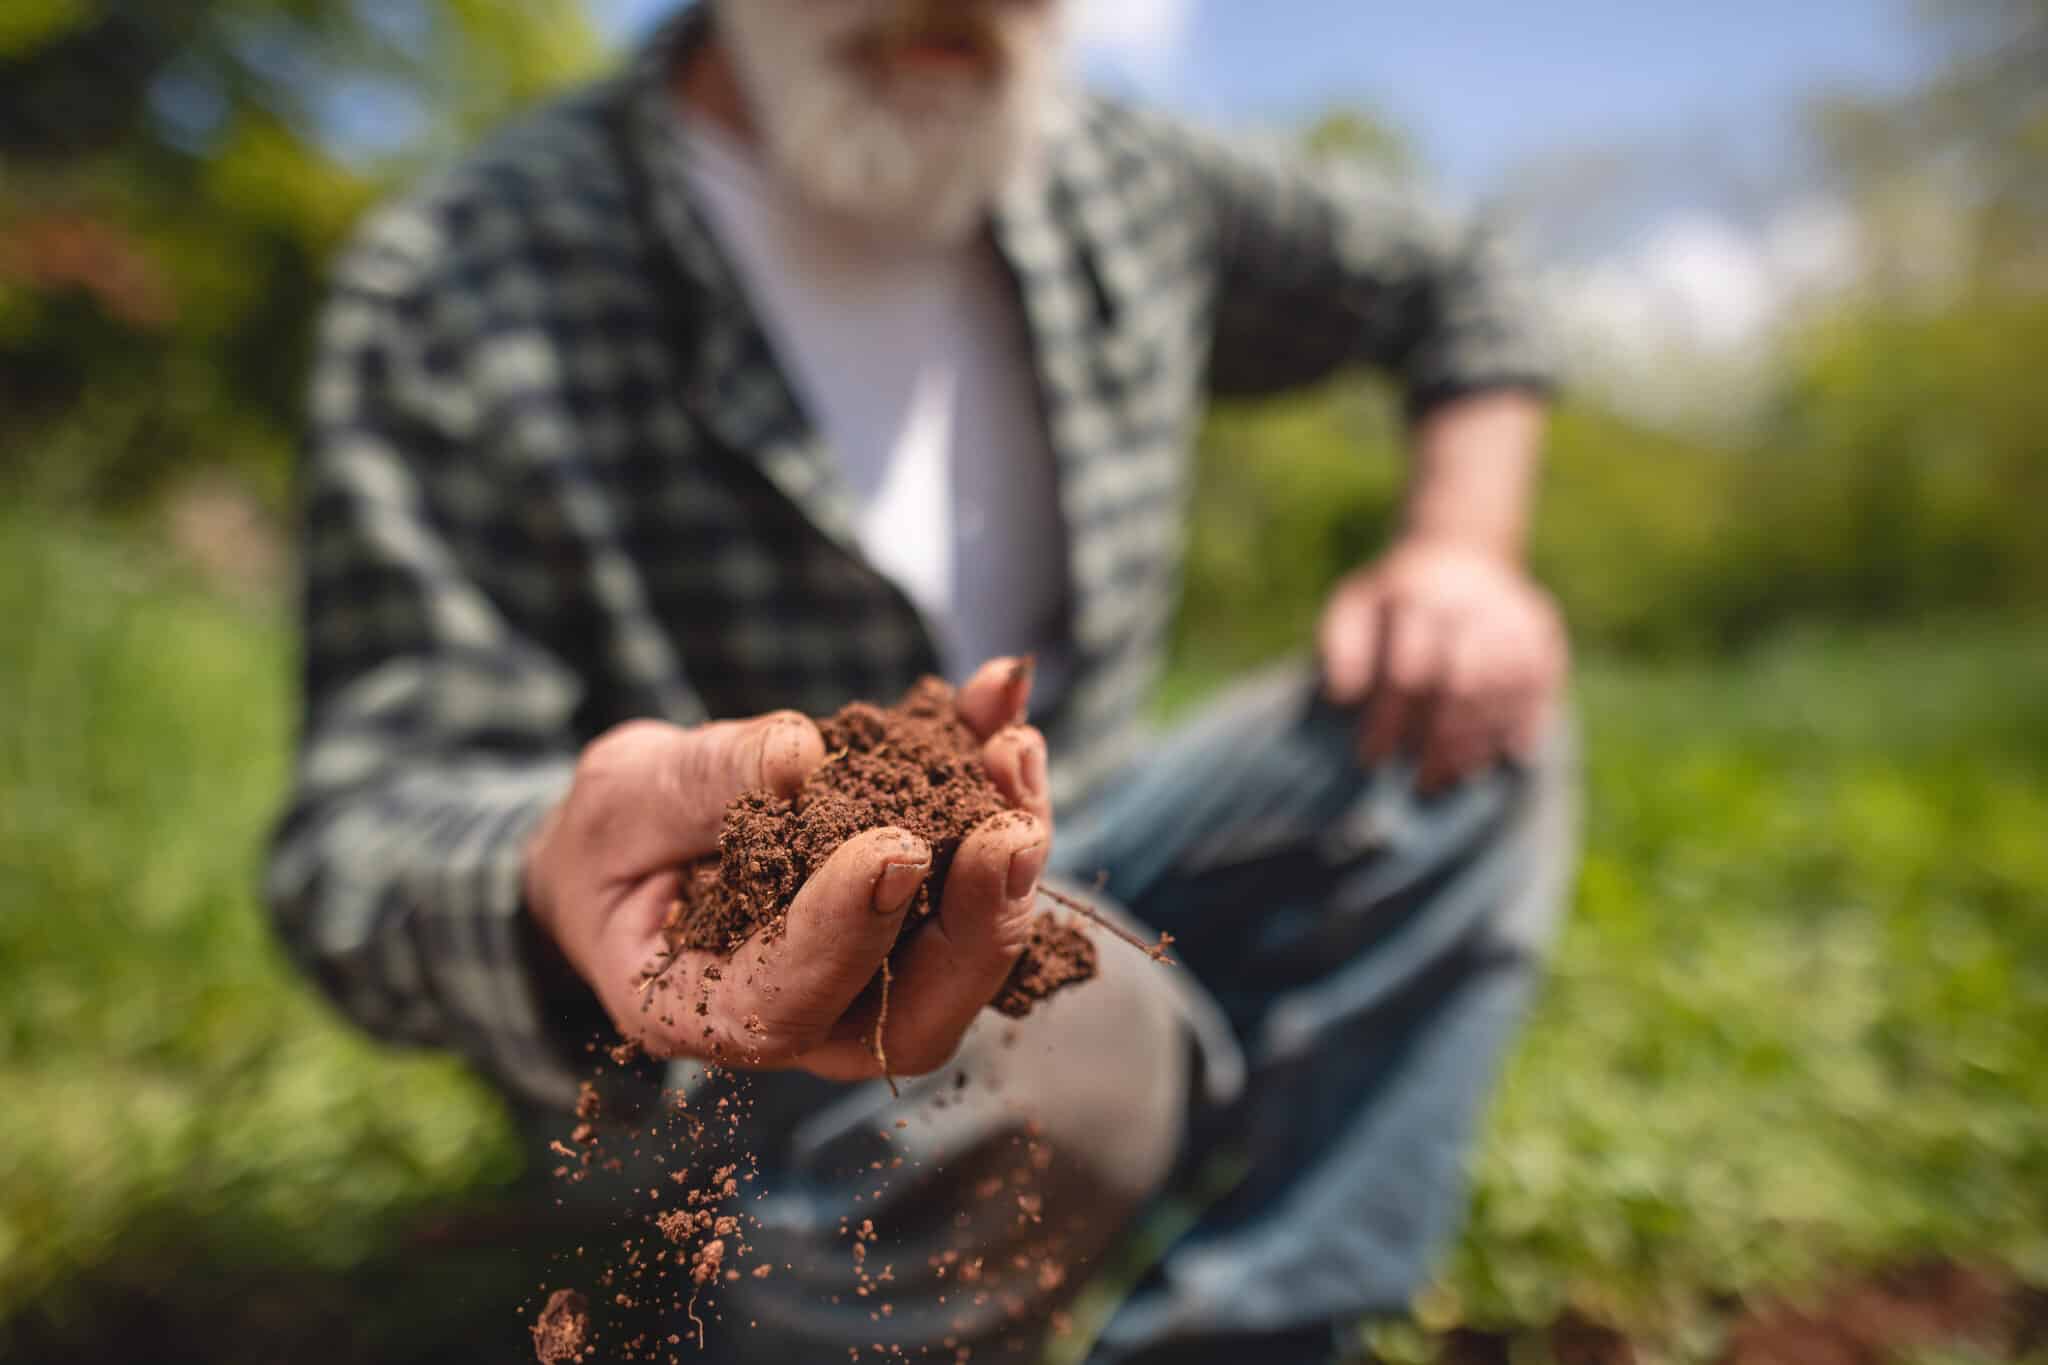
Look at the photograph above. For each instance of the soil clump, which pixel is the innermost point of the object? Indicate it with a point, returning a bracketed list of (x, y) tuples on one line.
[(915, 766), (561, 1332)]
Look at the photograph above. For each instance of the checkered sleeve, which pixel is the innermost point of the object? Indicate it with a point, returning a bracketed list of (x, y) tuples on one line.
[(1323, 265), (435, 731)]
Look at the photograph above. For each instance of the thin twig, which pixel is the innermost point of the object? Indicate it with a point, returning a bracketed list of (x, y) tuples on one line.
[(648, 979), (1155, 951), (881, 1023)]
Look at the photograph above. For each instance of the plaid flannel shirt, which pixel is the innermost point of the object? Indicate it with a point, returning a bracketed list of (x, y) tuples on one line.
[(555, 479)]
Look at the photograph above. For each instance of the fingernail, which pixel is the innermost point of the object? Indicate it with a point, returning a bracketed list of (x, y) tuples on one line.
[(1025, 865), (1022, 672), (900, 878), (1034, 769), (780, 745)]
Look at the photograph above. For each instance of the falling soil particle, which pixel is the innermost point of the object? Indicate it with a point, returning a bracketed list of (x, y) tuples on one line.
[(561, 1333)]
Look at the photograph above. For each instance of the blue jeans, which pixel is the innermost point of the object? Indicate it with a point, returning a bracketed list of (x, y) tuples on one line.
[(1371, 952), (1356, 958)]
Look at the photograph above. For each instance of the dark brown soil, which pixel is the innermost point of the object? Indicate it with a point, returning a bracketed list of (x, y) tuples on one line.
[(561, 1332), (1873, 1320), (1870, 1319), (1057, 956), (914, 766)]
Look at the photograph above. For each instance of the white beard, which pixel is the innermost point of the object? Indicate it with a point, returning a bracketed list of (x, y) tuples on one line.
[(922, 155)]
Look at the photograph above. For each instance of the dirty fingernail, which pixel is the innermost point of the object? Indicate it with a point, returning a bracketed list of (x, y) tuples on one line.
[(781, 746), (901, 876), (1022, 671), (1025, 865)]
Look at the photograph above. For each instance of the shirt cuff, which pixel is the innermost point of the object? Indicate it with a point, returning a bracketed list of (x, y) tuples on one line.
[(520, 1009)]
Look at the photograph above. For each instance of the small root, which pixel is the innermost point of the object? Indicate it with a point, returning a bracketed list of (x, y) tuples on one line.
[(882, 1023), (695, 1321), (1155, 951)]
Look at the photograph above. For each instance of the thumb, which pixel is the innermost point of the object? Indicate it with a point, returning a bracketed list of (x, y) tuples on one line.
[(719, 761)]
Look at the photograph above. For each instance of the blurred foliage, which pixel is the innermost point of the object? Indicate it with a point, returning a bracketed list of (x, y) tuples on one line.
[(1898, 472), (1897, 466), (176, 1091), (1799, 1020), (1954, 170), (173, 178)]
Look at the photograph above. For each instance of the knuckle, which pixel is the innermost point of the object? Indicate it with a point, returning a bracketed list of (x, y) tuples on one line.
[(698, 761), (629, 738), (674, 782), (621, 751), (1013, 744), (1011, 933)]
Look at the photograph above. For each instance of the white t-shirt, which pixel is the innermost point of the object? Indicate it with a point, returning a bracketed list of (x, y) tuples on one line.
[(914, 362)]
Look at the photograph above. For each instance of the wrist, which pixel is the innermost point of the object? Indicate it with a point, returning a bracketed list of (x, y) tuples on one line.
[(1495, 546), (1473, 482)]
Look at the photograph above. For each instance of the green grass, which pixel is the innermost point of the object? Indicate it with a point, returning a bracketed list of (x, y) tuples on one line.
[(1800, 1019), (1798, 1023), (169, 1084)]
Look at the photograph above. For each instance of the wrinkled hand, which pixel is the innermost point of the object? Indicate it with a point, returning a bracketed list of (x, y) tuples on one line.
[(648, 797), (1458, 657)]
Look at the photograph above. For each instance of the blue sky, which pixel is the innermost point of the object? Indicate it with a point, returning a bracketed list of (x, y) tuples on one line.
[(1485, 86), (1649, 155)]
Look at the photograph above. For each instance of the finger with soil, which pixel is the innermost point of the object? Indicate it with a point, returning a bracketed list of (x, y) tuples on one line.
[(1016, 763), (950, 966), (786, 990), (997, 695)]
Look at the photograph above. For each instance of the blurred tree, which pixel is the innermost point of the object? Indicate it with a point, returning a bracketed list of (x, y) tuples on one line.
[(1951, 179), (172, 179), (1290, 491), (1366, 138), (1898, 468)]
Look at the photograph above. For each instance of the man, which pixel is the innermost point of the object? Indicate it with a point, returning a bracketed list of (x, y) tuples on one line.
[(835, 343)]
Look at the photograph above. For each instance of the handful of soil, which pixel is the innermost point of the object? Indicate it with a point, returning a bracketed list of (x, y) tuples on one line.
[(914, 766), (562, 1332)]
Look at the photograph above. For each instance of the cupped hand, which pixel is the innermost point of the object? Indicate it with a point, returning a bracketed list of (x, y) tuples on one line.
[(1457, 657), (648, 797)]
